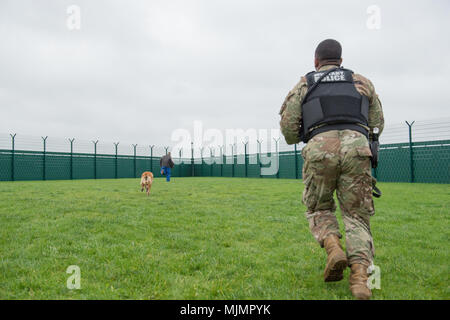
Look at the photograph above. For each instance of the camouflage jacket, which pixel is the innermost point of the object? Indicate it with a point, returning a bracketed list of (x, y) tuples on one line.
[(291, 110)]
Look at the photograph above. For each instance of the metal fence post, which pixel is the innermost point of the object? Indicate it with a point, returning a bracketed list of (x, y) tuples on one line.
[(13, 142), (151, 158), (245, 158), (116, 144), (71, 158), (212, 162), (192, 160), (234, 147), (411, 156), (258, 156), (95, 158), (167, 148), (134, 164), (44, 157), (232, 161), (181, 163), (221, 160), (201, 157), (278, 157), (295, 161)]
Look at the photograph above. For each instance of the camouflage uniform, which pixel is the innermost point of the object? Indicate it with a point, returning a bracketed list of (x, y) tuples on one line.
[(337, 160)]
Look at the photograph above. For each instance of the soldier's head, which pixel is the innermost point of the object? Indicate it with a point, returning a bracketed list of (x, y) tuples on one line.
[(328, 52)]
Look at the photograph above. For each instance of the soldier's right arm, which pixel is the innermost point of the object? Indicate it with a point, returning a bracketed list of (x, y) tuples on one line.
[(291, 112)]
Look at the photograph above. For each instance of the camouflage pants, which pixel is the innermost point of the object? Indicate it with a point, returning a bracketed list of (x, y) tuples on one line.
[(340, 160)]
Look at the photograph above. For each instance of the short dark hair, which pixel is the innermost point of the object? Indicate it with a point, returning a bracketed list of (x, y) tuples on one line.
[(328, 50)]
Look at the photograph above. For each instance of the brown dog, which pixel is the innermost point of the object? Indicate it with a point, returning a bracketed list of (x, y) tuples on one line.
[(146, 181)]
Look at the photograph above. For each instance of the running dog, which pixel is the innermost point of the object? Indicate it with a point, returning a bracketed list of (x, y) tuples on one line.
[(146, 181)]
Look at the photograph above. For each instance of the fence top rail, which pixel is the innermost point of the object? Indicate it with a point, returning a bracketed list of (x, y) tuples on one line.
[(421, 143), (434, 143), (78, 154)]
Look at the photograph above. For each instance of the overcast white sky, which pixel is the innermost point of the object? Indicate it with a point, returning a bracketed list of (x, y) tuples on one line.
[(137, 70)]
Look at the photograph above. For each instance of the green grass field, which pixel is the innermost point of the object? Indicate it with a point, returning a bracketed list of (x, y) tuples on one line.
[(207, 238)]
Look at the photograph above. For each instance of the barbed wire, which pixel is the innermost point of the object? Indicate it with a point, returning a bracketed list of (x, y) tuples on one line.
[(424, 130)]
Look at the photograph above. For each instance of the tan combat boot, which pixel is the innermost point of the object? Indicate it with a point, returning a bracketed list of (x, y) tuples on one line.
[(358, 282), (337, 260)]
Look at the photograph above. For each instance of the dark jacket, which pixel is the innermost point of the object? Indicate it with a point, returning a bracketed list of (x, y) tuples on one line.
[(166, 161)]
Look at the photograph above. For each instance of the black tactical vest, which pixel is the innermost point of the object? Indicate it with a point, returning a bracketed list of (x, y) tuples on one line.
[(333, 104)]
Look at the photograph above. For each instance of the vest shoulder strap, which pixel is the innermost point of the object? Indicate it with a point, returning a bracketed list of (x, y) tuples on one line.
[(310, 78)]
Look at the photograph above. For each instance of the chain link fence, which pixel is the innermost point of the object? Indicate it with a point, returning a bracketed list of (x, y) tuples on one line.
[(31, 158), (410, 152)]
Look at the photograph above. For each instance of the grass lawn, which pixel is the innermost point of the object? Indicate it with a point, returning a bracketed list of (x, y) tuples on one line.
[(207, 238)]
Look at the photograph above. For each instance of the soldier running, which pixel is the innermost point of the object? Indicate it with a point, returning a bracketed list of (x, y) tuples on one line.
[(336, 112)]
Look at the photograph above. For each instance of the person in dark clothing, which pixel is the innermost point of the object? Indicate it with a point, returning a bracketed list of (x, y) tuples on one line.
[(166, 165)]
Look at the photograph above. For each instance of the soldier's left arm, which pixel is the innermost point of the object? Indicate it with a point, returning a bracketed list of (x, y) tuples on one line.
[(366, 87), (291, 112)]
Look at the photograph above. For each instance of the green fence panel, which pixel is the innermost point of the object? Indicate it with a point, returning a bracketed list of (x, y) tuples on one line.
[(28, 166), (156, 168), (208, 169), (175, 171), (430, 159), (185, 168), (204, 169), (216, 169), (125, 167), (253, 170), (5, 165), (57, 167), (393, 165), (142, 165), (105, 167), (197, 169), (182, 167), (428, 156), (227, 167), (239, 168), (287, 165), (83, 167)]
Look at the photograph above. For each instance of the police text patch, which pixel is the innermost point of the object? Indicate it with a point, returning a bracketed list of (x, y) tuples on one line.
[(334, 76)]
